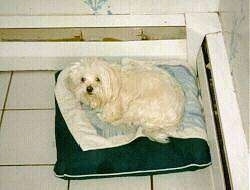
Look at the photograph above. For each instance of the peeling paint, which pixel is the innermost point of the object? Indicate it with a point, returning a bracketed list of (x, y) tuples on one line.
[(95, 5)]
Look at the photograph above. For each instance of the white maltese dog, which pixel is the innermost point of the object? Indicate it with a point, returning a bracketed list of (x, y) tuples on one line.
[(135, 94)]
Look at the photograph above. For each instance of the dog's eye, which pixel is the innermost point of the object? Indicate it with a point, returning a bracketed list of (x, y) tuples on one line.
[(97, 79), (83, 79)]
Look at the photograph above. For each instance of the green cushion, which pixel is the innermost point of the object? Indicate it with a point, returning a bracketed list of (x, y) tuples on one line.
[(140, 157)]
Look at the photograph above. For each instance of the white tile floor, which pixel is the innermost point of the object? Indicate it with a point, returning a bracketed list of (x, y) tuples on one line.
[(123, 183), (27, 143), (186, 180), (30, 178), (31, 90), (27, 137)]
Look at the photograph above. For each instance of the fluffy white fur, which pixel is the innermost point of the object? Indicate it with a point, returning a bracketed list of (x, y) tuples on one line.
[(134, 94)]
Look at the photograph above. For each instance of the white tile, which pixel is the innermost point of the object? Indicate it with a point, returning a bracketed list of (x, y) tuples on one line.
[(31, 89), (27, 137), (193, 180), (4, 82), (121, 183), (30, 178)]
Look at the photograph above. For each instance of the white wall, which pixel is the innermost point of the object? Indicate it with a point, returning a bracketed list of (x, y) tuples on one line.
[(235, 23), (77, 7)]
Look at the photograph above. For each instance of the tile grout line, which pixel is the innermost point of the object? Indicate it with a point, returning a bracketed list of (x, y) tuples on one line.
[(68, 187), (6, 98), (26, 109), (151, 182), (10, 165)]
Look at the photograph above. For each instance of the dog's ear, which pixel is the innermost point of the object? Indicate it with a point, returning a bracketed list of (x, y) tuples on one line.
[(72, 73), (114, 80), (69, 84)]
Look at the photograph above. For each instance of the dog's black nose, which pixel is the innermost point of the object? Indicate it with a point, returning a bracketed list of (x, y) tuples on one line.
[(89, 89)]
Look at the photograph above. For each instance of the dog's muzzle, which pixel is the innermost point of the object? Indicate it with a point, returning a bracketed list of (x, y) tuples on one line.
[(89, 89)]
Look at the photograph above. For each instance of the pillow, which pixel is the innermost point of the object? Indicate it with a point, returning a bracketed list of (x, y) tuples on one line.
[(141, 156)]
